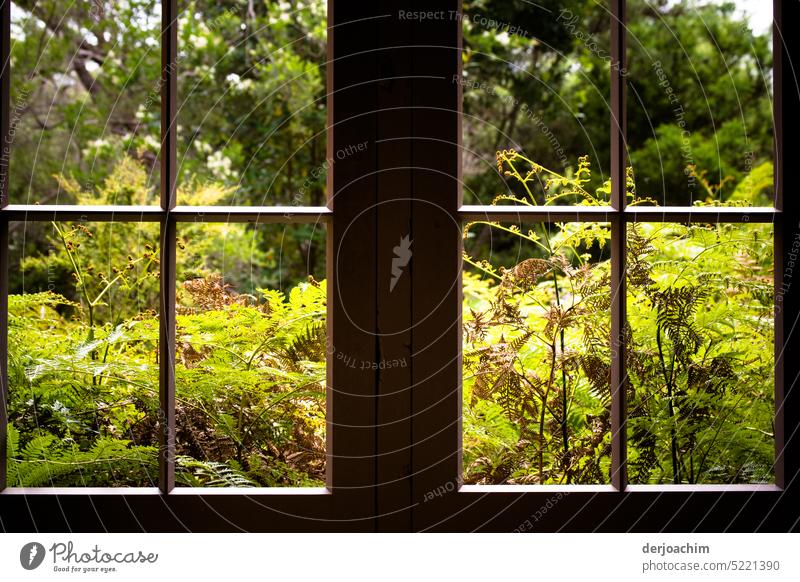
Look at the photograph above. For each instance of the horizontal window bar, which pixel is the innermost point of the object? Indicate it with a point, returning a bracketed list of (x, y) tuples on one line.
[(91, 491), (699, 214), (606, 213), (709, 488), (258, 214), (549, 489), (88, 213), (468, 489), (249, 491), (180, 491), (629, 489), (538, 213)]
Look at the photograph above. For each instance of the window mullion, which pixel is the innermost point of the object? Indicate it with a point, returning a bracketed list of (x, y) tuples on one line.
[(5, 106), (435, 267), (618, 232), (3, 352), (782, 255), (166, 345)]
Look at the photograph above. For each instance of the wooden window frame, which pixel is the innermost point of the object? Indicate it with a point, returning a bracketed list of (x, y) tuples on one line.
[(620, 506), (394, 434)]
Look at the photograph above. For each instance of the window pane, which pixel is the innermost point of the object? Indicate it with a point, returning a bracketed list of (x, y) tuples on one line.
[(83, 355), (535, 80), (536, 354), (700, 126), (701, 354), (251, 347), (84, 100), (252, 112)]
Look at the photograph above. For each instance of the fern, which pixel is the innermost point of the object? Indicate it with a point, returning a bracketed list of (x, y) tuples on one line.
[(209, 474), (45, 461), (698, 339)]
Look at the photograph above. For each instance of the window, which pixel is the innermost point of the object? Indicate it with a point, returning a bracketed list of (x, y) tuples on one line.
[(700, 406), (400, 415)]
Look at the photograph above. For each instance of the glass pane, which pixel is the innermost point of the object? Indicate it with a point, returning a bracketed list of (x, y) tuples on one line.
[(83, 355), (701, 356), (535, 80), (85, 101), (536, 354), (700, 126), (251, 351), (252, 106)]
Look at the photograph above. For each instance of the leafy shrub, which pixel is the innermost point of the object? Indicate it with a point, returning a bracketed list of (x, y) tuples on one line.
[(250, 368), (250, 392), (699, 330), (83, 359)]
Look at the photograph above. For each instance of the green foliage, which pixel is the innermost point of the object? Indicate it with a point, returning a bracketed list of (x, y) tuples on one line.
[(701, 319), (250, 390), (81, 77), (93, 251), (537, 75), (719, 69), (251, 118), (251, 379), (44, 461), (536, 344), (84, 331), (196, 473), (537, 350)]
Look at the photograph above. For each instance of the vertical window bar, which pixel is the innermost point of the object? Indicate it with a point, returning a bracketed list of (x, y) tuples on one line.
[(5, 106), (3, 351), (166, 345), (5, 97), (618, 227), (779, 263)]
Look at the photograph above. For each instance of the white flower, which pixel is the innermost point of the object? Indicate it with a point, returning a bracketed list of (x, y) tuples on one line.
[(98, 143), (202, 147), (152, 142), (197, 41), (238, 83), (220, 165)]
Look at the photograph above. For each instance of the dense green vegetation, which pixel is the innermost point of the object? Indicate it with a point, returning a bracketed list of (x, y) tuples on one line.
[(250, 365), (83, 363), (537, 78), (251, 113), (84, 297), (537, 391), (250, 390), (537, 297)]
